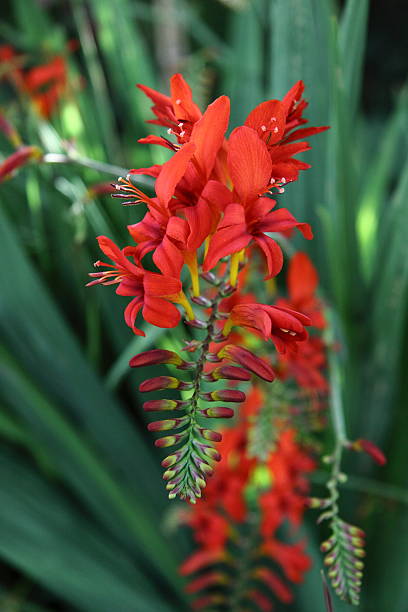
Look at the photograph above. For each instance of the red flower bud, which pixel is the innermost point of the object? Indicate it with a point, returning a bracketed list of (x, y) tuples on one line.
[(227, 395), (221, 412), (159, 383), (230, 373), (248, 360), (164, 404), (155, 357), (19, 158), (371, 449)]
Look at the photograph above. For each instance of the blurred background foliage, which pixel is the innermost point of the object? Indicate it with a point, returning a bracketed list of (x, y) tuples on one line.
[(84, 520)]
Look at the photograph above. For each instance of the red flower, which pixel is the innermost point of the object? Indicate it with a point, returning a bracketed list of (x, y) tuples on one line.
[(21, 157), (302, 282), (46, 83), (290, 557), (274, 122), (306, 364), (148, 288), (371, 449), (210, 527), (288, 465), (283, 326), (249, 217), (178, 113)]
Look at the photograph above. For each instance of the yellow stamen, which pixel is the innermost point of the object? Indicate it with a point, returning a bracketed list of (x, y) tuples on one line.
[(206, 245), (191, 261), (235, 258), (180, 298), (227, 327)]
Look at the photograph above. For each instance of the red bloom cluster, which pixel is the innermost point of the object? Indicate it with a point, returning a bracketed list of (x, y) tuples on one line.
[(230, 514), (43, 84), (215, 193)]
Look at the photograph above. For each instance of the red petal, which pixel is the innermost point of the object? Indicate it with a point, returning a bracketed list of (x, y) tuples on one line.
[(268, 119), (171, 173), (302, 278), (178, 230), (200, 559), (158, 285), (168, 258), (286, 151), (226, 241), (131, 312), (114, 253), (249, 163), (294, 95), (199, 219), (282, 220), (155, 96), (208, 134), (151, 171), (304, 132), (182, 99), (160, 313), (156, 140), (272, 252)]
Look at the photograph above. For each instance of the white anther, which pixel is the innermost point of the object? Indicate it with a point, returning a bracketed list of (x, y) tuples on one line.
[(263, 128), (180, 125), (182, 134), (275, 130), (292, 333), (169, 131), (273, 118), (281, 190), (283, 180), (178, 101), (286, 331)]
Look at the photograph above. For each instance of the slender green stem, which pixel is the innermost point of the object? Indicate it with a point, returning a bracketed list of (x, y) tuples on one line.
[(197, 384), (73, 158)]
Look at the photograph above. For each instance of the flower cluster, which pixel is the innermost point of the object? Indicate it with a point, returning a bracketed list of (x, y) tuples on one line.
[(43, 84), (212, 211), (241, 556)]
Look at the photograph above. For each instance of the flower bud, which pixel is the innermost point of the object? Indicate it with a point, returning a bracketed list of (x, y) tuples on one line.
[(229, 373), (159, 383), (167, 424), (248, 360), (169, 440), (163, 404), (225, 395), (371, 449), (155, 357), (220, 412), (209, 434), (173, 459)]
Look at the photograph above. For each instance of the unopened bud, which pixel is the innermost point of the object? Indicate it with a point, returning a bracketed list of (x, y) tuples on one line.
[(160, 383), (209, 434), (163, 404), (225, 395), (155, 357), (220, 412), (229, 373), (248, 360)]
